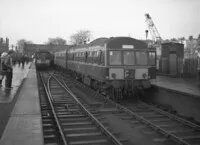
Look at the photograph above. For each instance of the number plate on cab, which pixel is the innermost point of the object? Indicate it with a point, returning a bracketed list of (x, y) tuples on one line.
[(129, 74)]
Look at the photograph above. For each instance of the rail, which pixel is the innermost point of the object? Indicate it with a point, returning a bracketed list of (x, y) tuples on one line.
[(47, 90), (103, 129), (197, 127), (157, 128), (168, 134)]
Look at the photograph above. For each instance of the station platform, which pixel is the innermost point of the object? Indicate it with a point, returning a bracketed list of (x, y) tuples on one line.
[(178, 94), (179, 85), (24, 126)]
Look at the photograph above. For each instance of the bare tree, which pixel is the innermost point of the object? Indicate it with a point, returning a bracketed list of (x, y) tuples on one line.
[(80, 37), (190, 38), (21, 42), (56, 41)]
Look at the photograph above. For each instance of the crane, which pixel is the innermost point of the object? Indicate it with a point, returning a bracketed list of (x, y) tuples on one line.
[(157, 40), (153, 30)]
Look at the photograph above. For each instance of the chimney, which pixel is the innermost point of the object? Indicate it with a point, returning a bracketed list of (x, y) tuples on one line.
[(7, 41)]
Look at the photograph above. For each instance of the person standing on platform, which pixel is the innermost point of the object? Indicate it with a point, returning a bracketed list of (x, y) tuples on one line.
[(2, 71), (22, 60), (198, 66), (9, 71)]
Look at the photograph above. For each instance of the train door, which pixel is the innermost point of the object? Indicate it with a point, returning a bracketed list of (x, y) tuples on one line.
[(173, 64)]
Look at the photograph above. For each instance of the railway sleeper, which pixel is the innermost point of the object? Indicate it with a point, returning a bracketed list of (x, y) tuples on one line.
[(141, 110), (91, 142), (50, 138), (62, 102), (147, 113), (152, 116), (94, 136), (72, 115), (47, 116), (175, 131), (160, 120), (74, 119), (197, 137), (62, 99), (47, 107), (49, 131), (64, 109), (165, 125), (64, 113), (74, 124), (183, 134), (81, 130), (67, 105), (47, 121), (47, 126)]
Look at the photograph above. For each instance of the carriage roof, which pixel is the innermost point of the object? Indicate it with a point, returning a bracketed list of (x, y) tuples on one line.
[(111, 43), (119, 42)]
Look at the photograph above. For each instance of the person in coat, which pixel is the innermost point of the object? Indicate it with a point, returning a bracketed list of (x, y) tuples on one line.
[(2, 71), (8, 69)]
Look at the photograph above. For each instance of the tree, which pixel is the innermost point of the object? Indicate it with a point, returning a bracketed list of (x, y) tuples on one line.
[(190, 38), (56, 41), (20, 43), (80, 37), (173, 40)]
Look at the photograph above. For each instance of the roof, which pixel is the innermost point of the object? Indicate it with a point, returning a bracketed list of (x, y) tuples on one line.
[(172, 43), (118, 42), (99, 42), (38, 47)]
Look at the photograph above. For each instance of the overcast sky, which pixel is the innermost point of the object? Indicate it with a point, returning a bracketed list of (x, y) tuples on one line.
[(37, 20)]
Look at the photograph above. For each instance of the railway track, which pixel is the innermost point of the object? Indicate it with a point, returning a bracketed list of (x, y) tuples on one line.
[(171, 126), (66, 120)]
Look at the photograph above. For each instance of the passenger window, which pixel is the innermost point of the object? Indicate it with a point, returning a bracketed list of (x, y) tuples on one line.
[(129, 58), (141, 58), (115, 58), (152, 58), (86, 56)]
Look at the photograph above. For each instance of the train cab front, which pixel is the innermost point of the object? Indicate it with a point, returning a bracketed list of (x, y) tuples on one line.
[(130, 70)]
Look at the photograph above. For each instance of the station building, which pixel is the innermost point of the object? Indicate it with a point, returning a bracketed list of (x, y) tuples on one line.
[(4, 45)]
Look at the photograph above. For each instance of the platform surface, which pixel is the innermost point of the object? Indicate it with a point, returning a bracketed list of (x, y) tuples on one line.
[(181, 85), (25, 124)]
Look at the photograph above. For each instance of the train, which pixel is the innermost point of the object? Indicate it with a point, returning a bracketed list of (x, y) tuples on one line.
[(43, 59), (116, 66)]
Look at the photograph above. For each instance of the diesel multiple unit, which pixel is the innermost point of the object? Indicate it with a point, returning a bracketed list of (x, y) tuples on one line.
[(117, 66), (43, 59)]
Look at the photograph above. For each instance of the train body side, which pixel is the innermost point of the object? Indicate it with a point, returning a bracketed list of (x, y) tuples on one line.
[(118, 63)]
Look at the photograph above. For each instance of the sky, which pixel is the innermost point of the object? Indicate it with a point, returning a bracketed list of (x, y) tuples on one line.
[(38, 20)]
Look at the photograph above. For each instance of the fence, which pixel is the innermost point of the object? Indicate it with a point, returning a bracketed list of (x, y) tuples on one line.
[(190, 66), (187, 67)]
